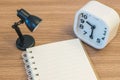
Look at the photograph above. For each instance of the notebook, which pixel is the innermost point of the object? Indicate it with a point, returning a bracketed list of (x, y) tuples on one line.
[(63, 60)]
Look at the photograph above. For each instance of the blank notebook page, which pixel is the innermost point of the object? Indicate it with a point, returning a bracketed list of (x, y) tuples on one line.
[(64, 60)]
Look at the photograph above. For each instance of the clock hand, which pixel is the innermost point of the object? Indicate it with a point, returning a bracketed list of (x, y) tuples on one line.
[(89, 23), (92, 28)]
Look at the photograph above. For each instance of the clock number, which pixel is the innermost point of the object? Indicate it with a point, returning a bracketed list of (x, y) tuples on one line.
[(85, 33), (82, 21), (103, 38), (104, 33), (84, 16), (81, 26), (105, 28), (98, 40)]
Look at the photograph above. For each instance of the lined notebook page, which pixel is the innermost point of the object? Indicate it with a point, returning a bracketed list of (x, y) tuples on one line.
[(64, 60)]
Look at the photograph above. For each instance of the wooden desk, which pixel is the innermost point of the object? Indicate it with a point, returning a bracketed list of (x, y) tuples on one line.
[(57, 25)]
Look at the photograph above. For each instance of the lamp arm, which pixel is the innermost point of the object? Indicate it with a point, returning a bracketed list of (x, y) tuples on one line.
[(18, 31)]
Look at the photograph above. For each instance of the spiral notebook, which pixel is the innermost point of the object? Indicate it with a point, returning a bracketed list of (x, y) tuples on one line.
[(64, 60)]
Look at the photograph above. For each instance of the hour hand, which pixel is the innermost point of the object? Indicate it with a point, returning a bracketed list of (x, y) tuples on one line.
[(91, 35)]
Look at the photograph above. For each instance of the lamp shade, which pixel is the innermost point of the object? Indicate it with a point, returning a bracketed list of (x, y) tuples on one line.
[(31, 21)]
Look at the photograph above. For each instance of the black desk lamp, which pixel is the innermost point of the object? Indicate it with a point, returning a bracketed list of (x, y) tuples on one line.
[(31, 21)]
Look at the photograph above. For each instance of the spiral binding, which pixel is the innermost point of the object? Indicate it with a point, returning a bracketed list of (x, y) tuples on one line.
[(30, 66)]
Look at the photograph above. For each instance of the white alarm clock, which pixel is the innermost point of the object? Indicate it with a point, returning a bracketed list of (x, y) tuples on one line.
[(96, 24)]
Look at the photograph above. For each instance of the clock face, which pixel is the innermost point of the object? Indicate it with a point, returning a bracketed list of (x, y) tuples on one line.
[(91, 29)]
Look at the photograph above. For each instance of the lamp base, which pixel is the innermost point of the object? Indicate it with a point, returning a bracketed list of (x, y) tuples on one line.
[(28, 42)]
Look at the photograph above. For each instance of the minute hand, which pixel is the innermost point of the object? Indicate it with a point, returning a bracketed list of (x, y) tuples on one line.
[(89, 23), (92, 28)]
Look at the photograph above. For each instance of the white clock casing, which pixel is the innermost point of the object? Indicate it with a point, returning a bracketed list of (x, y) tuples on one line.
[(96, 24)]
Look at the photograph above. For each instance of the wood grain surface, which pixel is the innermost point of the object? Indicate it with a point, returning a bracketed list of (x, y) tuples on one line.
[(57, 25)]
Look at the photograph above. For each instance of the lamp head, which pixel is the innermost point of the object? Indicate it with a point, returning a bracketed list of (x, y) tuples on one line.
[(31, 21)]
